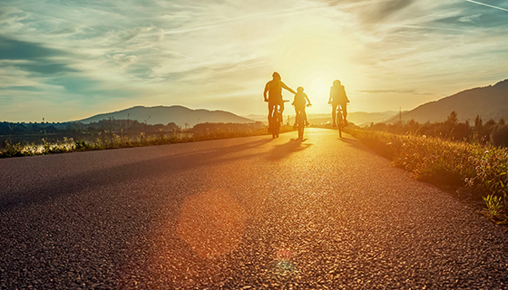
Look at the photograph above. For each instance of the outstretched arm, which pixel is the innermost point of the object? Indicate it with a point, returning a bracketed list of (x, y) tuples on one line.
[(345, 95), (286, 87), (330, 98)]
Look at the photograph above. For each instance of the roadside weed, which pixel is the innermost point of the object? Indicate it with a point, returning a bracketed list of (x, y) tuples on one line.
[(493, 204)]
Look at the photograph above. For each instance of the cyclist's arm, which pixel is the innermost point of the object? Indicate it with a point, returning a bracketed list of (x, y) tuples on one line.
[(345, 95), (266, 90), (330, 99), (308, 101), (286, 87)]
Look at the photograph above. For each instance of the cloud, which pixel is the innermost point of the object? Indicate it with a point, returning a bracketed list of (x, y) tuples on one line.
[(488, 5), (470, 18), (386, 8), (123, 59), (38, 59), (6, 100), (371, 11), (98, 54), (16, 49)]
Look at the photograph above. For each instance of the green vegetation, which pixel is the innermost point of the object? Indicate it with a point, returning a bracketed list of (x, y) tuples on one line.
[(493, 205), (490, 132), (106, 139), (479, 166)]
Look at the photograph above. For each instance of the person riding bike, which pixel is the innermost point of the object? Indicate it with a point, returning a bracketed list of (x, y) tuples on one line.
[(274, 90), (300, 102), (337, 98)]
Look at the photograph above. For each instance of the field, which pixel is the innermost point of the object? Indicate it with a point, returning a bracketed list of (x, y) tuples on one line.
[(22, 145)]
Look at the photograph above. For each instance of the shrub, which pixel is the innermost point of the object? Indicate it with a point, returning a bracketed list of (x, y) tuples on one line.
[(499, 136)]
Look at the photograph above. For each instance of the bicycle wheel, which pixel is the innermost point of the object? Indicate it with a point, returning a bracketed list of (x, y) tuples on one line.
[(276, 126), (300, 125), (339, 123)]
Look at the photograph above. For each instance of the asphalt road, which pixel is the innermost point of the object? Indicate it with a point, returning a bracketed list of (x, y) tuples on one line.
[(246, 213)]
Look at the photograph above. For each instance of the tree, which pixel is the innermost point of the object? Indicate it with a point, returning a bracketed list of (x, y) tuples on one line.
[(478, 123), (452, 120)]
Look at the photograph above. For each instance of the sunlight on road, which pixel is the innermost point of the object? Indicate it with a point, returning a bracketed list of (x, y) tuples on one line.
[(212, 223)]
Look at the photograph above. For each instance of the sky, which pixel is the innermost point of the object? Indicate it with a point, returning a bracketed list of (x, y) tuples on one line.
[(71, 59)]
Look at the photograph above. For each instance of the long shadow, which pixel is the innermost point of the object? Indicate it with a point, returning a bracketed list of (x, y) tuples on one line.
[(60, 186), (284, 150), (357, 144), (107, 204)]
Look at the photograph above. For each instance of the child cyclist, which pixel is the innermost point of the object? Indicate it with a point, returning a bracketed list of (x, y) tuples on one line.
[(300, 102)]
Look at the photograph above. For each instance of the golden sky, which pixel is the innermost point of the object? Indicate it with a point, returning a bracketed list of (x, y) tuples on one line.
[(73, 59)]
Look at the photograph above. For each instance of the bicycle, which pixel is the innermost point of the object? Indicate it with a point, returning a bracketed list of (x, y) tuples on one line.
[(340, 120), (300, 123), (276, 120)]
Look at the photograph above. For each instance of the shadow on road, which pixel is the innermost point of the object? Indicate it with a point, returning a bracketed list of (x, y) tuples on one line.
[(357, 144), (56, 186), (284, 150)]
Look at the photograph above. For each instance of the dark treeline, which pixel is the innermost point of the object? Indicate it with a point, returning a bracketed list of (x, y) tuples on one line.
[(491, 131), (111, 125), (112, 130)]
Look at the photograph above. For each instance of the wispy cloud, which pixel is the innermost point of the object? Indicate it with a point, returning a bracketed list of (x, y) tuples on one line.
[(82, 57), (249, 17), (488, 5)]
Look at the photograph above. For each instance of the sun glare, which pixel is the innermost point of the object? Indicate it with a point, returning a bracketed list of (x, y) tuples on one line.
[(316, 84), (313, 59)]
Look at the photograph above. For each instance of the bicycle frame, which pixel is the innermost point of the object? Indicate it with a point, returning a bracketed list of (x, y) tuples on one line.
[(339, 118), (275, 120), (300, 122)]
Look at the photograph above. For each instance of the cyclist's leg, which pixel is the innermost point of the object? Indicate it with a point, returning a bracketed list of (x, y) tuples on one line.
[(305, 116), (344, 111), (334, 113), (296, 116), (270, 111)]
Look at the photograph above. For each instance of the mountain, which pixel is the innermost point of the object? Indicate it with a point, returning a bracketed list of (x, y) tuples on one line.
[(359, 118), (163, 115), (489, 102)]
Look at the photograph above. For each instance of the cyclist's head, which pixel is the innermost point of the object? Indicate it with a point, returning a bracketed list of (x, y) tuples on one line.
[(336, 83), (276, 76), (300, 89)]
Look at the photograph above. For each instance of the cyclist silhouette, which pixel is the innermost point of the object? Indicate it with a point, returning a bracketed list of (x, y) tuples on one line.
[(337, 98), (274, 90), (300, 102)]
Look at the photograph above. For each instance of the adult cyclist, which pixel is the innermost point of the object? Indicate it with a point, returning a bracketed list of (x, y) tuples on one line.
[(274, 90), (338, 97)]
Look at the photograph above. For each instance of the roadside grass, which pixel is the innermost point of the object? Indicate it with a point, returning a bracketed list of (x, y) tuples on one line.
[(482, 169), (109, 140)]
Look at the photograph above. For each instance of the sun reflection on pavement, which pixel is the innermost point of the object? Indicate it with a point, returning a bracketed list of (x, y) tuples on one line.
[(284, 264), (212, 223)]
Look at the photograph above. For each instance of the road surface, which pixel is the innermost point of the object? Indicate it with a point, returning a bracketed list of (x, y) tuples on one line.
[(245, 213)]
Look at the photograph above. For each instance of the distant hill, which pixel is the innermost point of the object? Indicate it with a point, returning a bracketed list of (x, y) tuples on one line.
[(489, 102), (163, 115), (359, 118)]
